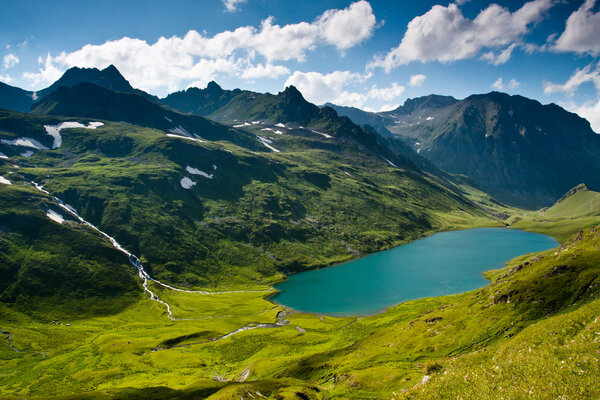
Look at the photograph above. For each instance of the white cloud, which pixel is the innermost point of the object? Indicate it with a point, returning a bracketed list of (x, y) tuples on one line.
[(582, 31), (579, 77), (335, 88), (445, 35), (348, 27), (513, 84), (388, 107), (264, 71), (417, 80), (589, 111), (173, 62), (498, 85), (9, 61), (321, 88), (387, 94), (499, 58), (232, 5), (5, 78)]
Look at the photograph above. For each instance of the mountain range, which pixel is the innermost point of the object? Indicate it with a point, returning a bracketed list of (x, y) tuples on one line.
[(520, 151), (140, 239)]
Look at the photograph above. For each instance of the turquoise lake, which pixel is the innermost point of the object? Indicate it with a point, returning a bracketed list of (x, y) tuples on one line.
[(442, 264)]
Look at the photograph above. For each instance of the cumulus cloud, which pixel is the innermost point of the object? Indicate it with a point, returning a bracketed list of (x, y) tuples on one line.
[(499, 58), (388, 94), (348, 27), (582, 31), (335, 88), (232, 5), (499, 84), (320, 88), (417, 80), (5, 78), (172, 62), (444, 34), (589, 111), (579, 77), (388, 107), (264, 71), (9, 61)]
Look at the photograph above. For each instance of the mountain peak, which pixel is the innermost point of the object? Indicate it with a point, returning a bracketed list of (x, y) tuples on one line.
[(292, 93), (213, 87)]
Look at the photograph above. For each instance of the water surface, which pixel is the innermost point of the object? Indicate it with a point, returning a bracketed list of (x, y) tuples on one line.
[(442, 264)]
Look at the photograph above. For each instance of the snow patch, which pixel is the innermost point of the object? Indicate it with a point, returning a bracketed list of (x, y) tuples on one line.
[(185, 137), (54, 130), (267, 143), (242, 125), (195, 171), (3, 156), (322, 134), (186, 182), (391, 163), (27, 153), (280, 125), (167, 118), (268, 129), (429, 118), (34, 96), (255, 122), (214, 167), (25, 142), (180, 130), (347, 173), (4, 180), (54, 216), (278, 132)]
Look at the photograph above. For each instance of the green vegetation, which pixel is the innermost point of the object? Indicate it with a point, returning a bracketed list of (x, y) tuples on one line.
[(508, 339), (578, 209), (78, 325)]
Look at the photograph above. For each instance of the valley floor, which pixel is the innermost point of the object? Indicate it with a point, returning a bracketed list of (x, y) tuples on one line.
[(532, 333)]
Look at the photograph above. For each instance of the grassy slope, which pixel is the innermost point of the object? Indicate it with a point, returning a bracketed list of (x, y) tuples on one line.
[(507, 339), (263, 213), (577, 210), (332, 357)]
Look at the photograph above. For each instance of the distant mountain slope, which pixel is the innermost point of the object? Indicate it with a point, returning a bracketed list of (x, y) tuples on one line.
[(200, 101), (578, 208), (291, 109), (14, 98), (518, 150), (109, 78), (92, 101), (210, 213)]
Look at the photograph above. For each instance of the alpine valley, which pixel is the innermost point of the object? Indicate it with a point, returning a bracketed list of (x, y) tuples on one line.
[(140, 239)]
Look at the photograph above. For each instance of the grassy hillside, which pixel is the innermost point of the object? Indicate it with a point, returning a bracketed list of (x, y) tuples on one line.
[(579, 208), (531, 333), (249, 217)]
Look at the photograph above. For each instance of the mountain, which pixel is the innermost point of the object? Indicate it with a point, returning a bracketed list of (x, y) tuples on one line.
[(289, 108), (516, 149), (579, 208), (109, 78), (376, 120), (14, 98), (92, 101), (200, 101), (178, 188)]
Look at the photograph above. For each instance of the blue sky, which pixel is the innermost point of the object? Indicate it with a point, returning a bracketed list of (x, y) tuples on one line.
[(369, 54)]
